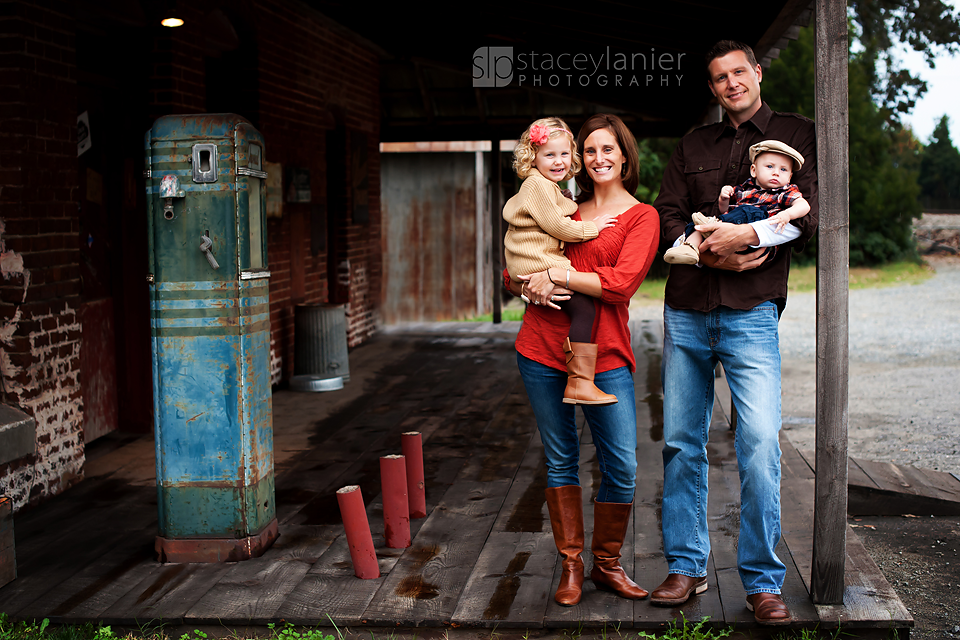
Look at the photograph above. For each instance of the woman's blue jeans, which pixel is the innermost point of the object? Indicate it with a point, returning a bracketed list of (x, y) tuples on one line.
[(747, 344), (613, 427)]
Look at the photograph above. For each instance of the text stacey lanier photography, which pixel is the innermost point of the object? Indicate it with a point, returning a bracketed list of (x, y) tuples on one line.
[(501, 66)]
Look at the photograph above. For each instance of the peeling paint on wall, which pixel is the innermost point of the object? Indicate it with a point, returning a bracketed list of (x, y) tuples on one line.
[(40, 370)]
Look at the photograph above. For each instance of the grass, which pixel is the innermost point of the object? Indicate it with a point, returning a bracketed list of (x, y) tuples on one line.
[(43, 630), (805, 279), (802, 279), (895, 273), (678, 629)]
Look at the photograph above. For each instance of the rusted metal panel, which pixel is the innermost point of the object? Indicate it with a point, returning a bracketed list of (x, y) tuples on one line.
[(210, 316), (430, 236)]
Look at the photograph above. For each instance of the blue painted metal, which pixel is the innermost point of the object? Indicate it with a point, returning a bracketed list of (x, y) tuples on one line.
[(211, 335)]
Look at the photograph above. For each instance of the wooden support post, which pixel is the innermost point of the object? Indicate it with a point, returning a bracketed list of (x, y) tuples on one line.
[(496, 237), (396, 509), (411, 444), (357, 528), (830, 507)]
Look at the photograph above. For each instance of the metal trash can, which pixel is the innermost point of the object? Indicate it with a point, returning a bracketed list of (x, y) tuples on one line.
[(320, 348)]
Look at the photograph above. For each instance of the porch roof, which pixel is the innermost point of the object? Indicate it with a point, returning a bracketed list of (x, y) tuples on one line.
[(644, 64)]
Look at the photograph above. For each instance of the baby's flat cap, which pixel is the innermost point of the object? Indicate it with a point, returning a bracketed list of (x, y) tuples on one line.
[(778, 147)]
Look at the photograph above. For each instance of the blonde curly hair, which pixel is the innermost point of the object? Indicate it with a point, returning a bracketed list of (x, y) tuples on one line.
[(525, 152)]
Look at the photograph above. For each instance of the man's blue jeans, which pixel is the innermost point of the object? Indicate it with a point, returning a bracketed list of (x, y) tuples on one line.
[(747, 344), (613, 427)]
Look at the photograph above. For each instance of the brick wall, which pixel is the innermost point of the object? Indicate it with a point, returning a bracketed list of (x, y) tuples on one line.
[(311, 77), (39, 256), (315, 77)]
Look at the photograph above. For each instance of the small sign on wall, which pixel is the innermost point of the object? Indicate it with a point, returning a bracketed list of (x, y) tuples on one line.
[(298, 184), (83, 133), (274, 189)]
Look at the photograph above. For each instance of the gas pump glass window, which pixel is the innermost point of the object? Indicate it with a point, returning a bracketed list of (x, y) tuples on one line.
[(256, 229)]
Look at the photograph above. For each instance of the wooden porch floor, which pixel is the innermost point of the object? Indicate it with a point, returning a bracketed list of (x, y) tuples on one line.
[(483, 557)]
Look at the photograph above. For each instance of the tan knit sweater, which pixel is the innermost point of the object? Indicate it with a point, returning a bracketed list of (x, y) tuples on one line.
[(540, 224)]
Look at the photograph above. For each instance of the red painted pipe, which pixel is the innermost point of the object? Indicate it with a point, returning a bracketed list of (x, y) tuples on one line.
[(396, 513), (412, 446), (357, 527)]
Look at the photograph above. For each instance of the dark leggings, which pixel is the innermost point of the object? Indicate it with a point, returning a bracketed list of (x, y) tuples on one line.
[(581, 310)]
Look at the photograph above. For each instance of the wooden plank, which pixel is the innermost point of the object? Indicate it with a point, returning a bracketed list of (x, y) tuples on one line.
[(426, 583), (525, 507), (830, 509), (650, 567), (249, 592), (93, 533), (881, 488), (331, 589), (911, 481), (794, 590), (511, 582), (796, 512), (99, 584), (166, 594), (868, 599), (311, 485), (451, 443)]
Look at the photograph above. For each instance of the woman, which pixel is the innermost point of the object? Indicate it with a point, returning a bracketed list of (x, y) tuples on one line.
[(609, 268)]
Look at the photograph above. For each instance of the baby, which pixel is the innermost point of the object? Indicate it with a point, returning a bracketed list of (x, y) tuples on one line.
[(767, 195)]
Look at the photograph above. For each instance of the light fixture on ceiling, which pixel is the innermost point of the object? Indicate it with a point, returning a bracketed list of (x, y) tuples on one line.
[(172, 22)]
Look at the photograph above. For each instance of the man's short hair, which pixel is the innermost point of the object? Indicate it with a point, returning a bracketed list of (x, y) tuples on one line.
[(724, 47)]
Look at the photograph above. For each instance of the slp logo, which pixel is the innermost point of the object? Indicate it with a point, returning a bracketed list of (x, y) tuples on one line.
[(492, 66)]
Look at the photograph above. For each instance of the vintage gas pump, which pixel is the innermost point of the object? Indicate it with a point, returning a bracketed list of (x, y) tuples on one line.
[(210, 318)]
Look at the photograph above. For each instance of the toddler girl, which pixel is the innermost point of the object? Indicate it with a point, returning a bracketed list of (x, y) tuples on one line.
[(540, 224)]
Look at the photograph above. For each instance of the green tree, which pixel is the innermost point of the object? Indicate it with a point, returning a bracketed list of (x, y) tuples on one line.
[(883, 157), (940, 170), (885, 27)]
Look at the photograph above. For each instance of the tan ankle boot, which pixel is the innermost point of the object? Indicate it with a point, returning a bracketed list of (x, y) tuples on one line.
[(610, 521), (581, 365), (566, 518)]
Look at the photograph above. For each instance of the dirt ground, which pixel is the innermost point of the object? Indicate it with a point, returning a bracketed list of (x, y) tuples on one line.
[(920, 556)]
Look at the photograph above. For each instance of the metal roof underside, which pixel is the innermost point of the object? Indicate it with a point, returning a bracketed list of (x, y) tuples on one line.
[(428, 49)]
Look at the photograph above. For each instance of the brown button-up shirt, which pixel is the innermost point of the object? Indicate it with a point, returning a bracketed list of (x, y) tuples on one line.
[(705, 160)]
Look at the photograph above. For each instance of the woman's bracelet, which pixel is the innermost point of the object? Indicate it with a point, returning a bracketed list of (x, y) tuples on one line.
[(568, 279), (550, 278)]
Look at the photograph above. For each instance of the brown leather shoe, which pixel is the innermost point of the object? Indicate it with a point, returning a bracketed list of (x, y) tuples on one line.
[(566, 519), (768, 609), (610, 521), (677, 589)]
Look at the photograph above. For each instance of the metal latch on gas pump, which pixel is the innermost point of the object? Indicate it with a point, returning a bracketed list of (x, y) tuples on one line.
[(205, 248), (170, 189)]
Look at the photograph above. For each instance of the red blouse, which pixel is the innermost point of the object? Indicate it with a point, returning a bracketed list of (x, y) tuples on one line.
[(621, 256)]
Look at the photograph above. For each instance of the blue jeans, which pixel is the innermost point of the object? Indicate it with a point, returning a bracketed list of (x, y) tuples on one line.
[(614, 429), (747, 344)]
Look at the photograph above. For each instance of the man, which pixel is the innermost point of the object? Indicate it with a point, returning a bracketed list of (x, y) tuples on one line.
[(726, 310)]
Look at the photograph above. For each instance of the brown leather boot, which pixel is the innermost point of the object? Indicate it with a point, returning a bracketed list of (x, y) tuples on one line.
[(581, 366), (566, 518), (610, 521)]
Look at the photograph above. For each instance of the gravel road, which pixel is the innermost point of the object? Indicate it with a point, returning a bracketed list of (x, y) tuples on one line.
[(904, 389)]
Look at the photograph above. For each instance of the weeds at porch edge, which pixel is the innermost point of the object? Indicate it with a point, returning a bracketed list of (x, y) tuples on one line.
[(682, 629), (43, 630)]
